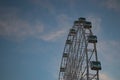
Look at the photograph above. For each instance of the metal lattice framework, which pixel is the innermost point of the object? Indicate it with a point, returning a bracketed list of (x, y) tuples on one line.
[(79, 60)]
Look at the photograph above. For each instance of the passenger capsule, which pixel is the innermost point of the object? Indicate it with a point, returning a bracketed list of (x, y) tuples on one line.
[(95, 65), (92, 39)]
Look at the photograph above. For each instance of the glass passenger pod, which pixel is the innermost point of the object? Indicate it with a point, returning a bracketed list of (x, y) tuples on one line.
[(92, 39), (68, 42), (95, 65), (82, 20), (72, 32), (88, 25), (76, 23), (62, 69), (65, 54)]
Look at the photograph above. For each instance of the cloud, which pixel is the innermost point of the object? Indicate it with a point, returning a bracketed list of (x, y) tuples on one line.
[(62, 27), (53, 35), (108, 4), (104, 76), (45, 4), (14, 27), (113, 4), (64, 21), (108, 53), (109, 50), (17, 28), (96, 23)]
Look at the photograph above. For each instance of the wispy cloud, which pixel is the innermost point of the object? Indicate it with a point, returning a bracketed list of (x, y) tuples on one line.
[(53, 35), (108, 53), (45, 4), (63, 25), (19, 29), (104, 76), (96, 23), (14, 27), (109, 50), (64, 21), (113, 4)]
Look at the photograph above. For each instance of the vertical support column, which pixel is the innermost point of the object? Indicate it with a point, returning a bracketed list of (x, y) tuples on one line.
[(96, 60), (86, 54), (87, 61)]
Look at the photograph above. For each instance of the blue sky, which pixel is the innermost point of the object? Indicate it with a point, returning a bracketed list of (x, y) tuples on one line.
[(33, 33)]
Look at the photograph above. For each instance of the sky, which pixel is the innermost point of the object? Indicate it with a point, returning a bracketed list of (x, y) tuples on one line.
[(33, 34)]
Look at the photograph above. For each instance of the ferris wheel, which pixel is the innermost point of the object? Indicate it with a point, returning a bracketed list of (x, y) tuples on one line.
[(79, 59)]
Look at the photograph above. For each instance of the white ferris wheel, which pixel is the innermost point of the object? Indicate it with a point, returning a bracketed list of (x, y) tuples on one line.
[(80, 59)]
